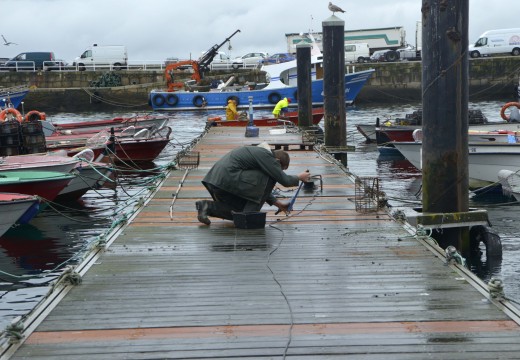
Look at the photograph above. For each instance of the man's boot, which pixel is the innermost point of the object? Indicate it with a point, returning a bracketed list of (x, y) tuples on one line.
[(202, 208)]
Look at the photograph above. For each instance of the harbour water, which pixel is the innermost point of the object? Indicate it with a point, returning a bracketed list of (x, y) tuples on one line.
[(33, 254)]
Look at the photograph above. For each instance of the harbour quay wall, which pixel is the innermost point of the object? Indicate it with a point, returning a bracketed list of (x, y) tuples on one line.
[(399, 82), (490, 78)]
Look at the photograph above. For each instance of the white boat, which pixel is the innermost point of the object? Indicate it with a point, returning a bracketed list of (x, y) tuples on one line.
[(485, 160), (37, 162), (510, 181), (14, 206)]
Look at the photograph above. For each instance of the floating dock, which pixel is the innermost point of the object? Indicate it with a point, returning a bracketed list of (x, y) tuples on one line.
[(339, 277)]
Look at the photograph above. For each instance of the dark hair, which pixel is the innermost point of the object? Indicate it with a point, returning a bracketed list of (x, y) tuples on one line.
[(283, 157)]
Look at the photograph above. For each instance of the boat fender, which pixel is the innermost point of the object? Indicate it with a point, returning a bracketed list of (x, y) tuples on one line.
[(507, 106), (237, 100), (15, 113), (199, 101), (85, 154), (34, 115), (142, 134), (483, 234), (158, 100), (274, 97), (172, 99)]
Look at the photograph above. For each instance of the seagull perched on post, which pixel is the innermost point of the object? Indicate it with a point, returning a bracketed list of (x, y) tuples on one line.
[(335, 8), (7, 43)]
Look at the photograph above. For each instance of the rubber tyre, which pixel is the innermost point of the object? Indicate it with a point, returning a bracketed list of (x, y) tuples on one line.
[(274, 97)]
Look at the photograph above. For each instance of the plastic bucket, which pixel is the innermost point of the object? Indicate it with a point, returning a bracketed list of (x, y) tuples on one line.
[(249, 220)]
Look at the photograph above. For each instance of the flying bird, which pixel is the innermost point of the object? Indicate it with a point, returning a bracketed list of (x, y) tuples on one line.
[(335, 8), (7, 43)]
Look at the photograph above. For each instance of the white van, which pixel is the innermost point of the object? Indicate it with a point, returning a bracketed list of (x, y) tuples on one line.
[(109, 57), (504, 41), (357, 52)]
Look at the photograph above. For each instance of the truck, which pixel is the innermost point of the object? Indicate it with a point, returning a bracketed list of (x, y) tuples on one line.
[(495, 42), (377, 38), (113, 56), (357, 53)]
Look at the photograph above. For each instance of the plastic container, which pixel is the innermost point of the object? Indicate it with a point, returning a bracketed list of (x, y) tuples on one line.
[(249, 220), (252, 131)]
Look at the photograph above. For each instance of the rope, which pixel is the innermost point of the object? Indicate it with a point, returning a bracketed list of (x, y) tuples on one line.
[(453, 256), (496, 288)]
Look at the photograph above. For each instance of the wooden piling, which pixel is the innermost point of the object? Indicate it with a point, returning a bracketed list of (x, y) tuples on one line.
[(304, 93), (445, 108)]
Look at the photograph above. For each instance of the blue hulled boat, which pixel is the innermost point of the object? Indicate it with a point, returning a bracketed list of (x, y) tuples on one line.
[(280, 83), (12, 96)]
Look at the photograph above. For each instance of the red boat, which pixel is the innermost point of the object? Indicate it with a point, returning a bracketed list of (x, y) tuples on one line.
[(45, 184), (292, 116), (144, 121), (127, 149)]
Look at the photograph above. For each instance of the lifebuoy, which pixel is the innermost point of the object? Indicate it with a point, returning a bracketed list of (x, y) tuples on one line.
[(172, 99), (507, 106), (233, 98), (15, 113), (34, 115), (274, 97), (158, 100), (199, 101)]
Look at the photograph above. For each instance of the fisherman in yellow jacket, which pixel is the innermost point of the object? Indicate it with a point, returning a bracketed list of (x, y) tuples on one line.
[(231, 110), (282, 104)]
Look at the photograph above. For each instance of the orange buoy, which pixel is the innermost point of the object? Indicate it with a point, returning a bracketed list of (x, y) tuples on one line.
[(507, 106), (15, 113)]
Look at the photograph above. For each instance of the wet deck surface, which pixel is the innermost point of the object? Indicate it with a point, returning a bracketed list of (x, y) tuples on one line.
[(325, 282)]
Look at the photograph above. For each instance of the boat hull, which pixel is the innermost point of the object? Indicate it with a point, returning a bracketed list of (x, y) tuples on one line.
[(15, 97), (13, 207), (88, 176), (45, 184), (485, 160), (292, 116), (264, 98)]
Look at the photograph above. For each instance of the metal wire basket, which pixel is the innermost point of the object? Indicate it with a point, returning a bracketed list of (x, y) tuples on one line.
[(367, 194), (189, 160)]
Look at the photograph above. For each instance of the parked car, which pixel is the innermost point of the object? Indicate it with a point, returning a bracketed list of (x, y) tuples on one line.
[(30, 61), (384, 55), (249, 59), (278, 58)]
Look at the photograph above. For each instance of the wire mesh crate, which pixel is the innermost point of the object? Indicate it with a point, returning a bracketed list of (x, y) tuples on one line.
[(368, 196), (188, 160)]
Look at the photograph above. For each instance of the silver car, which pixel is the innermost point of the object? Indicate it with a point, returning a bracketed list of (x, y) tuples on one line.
[(249, 60)]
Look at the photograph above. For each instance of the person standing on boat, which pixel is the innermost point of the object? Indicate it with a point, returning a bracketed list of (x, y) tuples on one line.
[(243, 180), (231, 110), (282, 105)]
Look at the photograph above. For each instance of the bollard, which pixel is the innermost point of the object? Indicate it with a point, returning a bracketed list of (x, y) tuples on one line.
[(251, 129)]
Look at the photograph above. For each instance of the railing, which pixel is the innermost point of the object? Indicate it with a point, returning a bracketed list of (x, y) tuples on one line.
[(138, 65)]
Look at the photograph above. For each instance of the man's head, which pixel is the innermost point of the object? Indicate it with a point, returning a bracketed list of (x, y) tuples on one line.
[(283, 158)]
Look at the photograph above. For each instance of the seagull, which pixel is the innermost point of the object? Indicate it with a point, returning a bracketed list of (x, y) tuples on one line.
[(7, 43), (335, 8)]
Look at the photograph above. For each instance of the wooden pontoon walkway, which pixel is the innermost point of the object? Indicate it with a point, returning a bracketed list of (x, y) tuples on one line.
[(326, 282)]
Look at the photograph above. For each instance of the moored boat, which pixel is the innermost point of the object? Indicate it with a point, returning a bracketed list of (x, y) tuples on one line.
[(485, 160), (292, 116), (12, 97), (45, 184), (14, 207)]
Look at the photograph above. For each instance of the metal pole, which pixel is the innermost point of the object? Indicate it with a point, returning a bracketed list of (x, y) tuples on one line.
[(445, 113), (304, 93), (334, 86)]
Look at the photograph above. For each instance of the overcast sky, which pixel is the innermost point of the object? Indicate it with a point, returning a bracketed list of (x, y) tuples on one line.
[(157, 29)]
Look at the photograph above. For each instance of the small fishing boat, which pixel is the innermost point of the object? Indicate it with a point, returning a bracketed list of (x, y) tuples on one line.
[(12, 96), (292, 116), (16, 208), (41, 161), (143, 146), (280, 82), (45, 184), (138, 121)]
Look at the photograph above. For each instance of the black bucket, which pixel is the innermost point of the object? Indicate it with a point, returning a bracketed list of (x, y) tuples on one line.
[(249, 220)]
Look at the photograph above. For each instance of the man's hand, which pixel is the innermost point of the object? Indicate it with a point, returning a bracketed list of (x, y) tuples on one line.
[(305, 176), (282, 206)]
